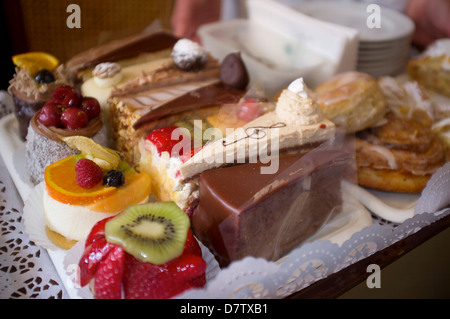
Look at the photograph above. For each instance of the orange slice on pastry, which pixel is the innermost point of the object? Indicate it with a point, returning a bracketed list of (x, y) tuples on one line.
[(33, 62), (61, 184), (136, 189)]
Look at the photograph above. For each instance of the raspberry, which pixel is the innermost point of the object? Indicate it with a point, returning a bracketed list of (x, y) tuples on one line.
[(88, 173)]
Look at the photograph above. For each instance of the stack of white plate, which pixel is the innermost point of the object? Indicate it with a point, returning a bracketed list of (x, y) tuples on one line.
[(384, 34)]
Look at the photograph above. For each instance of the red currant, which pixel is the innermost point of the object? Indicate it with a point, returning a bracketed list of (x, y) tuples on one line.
[(50, 114), (67, 96), (91, 106), (74, 118), (249, 110)]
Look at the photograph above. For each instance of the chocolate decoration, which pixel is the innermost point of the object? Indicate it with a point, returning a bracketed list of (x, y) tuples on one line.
[(233, 72), (267, 215), (54, 133), (255, 132), (214, 94)]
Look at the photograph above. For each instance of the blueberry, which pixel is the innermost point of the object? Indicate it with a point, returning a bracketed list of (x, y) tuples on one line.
[(114, 178), (44, 76)]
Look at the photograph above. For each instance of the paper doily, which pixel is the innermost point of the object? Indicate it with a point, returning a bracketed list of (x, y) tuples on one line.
[(22, 270), (258, 278)]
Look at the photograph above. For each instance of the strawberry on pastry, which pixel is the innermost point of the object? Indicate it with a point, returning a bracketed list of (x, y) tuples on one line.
[(108, 277), (120, 269), (165, 139), (148, 281)]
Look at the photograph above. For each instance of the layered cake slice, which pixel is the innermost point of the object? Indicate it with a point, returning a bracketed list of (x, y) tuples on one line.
[(169, 135), (297, 124), (126, 51), (197, 95)]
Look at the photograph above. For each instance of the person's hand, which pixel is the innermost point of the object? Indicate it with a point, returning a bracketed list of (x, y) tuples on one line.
[(188, 15), (432, 20)]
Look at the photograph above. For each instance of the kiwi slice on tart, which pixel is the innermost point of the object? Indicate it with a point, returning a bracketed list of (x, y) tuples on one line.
[(153, 232)]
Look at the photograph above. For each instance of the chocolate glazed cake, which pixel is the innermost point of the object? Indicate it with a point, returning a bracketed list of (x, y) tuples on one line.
[(242, 212)]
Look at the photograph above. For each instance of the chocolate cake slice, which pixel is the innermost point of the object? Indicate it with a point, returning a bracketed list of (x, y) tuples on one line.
[(242, 212)]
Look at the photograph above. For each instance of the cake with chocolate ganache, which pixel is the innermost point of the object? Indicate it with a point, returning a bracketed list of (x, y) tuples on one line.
[(68, 113), (242, 212), (265, 206)]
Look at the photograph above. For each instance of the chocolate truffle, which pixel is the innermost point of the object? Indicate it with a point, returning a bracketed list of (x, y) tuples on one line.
[(233, 72), (189, 56)]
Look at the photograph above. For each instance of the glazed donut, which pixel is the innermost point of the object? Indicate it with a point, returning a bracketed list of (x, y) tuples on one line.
[(398, 156), (352, 100), (432, 68)]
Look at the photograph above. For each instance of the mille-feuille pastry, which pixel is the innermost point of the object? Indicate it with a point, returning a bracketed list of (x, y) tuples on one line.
[(168, 136), (174, 93)]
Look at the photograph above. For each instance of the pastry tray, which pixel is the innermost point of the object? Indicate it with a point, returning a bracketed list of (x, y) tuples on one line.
[(331, 240)]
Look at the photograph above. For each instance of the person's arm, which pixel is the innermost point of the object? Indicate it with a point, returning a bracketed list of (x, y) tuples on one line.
[(432, 20), (188, 15)]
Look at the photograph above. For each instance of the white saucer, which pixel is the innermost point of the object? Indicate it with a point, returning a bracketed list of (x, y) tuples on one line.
[(394, 25)]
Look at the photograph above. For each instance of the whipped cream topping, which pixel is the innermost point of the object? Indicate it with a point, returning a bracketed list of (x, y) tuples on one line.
[(296, 124), (296, 106), (298, 87), (168, 169)]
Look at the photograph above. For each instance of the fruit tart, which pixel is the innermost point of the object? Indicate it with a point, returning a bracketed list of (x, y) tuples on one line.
[(38, 75), (82, 189), (145, 252), (67, 113)]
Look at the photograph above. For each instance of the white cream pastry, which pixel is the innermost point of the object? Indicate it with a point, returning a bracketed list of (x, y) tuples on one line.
[(107, 74), (296, 123), (74, 222), (164, 172)]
